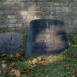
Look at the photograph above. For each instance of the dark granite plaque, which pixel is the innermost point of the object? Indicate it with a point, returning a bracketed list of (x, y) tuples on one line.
[(46, 36), (10, 42)]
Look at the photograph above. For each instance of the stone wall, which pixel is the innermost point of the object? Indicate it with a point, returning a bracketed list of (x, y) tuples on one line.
[(18, 13)]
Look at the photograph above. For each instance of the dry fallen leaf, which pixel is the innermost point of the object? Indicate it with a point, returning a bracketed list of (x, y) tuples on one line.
[(46, 76), (4, 65), (69, 73), (73, 75), (13, 63), (34, 61), (3, 61), (18, 55), (39, 58), (15, 72), (46, 70), (64, 66)]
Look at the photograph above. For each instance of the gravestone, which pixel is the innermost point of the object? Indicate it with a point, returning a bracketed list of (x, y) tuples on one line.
[(46, 36), (10, 42)]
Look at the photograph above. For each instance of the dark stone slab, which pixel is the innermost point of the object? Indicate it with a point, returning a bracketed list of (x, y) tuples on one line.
[(10, 42), (46, 36)]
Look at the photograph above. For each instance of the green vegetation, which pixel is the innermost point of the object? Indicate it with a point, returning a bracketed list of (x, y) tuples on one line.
[(62, 65)]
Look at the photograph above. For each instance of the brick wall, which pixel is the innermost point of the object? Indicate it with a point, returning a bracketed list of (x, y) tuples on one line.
[(18, 13)]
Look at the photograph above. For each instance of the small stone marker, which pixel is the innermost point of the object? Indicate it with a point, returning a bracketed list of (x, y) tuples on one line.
[(46, 36), (10, 42)]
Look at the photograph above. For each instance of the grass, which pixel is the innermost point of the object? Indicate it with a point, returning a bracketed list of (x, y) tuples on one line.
[(62, 65)]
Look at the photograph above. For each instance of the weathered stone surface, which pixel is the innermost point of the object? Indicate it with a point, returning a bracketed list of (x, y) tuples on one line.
[(25, 11), (10, 42), (46, 36)]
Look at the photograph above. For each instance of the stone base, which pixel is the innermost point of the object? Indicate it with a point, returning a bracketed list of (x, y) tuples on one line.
[(10, 42)]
